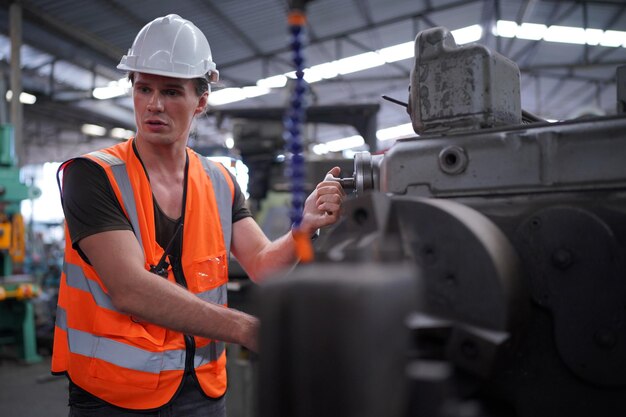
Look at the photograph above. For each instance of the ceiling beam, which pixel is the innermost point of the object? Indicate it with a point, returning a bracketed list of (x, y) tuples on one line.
[(610, 25), (526, 53), (386, 22), (237, 31), (35, 16), (524, 11), (124, 13), (364, 10)]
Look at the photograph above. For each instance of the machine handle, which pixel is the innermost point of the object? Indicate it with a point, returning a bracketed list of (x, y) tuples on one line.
[(347, 183)]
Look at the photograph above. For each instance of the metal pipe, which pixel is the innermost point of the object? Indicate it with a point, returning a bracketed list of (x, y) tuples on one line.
[(15, 23)]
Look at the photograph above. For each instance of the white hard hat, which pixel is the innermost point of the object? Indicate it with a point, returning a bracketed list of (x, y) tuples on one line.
[(173, 47)]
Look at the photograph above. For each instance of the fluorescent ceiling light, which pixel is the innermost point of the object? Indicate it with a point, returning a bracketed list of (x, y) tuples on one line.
[(506, 29), (613, 38), (226, 95), (231, 95), (320, 149), (105, 93), (320, 72), (531, 31), (122, 134), (113, 89), (562, 34), (467, 34), (311, 76), (25, 98), (275, 81), (398, 52), (594, 36), (565, 34), (254, 91), (395, 132), (93, 130), (344, 144), (317, 72), (358, 63), (339, 145)]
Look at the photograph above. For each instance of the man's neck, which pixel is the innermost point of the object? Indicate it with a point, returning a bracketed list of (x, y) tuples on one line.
[(165, 167), (166, 160)]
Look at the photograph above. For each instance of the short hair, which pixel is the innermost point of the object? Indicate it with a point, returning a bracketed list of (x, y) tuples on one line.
[(201, 83)]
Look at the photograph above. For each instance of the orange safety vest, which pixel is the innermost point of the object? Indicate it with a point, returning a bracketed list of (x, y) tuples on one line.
[(139, 365)]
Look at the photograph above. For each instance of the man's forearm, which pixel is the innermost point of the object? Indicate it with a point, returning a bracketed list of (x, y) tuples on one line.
[(165, 304), (276, 257)]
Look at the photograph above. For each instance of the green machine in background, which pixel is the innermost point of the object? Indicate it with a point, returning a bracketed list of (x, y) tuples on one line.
[(17, 318)]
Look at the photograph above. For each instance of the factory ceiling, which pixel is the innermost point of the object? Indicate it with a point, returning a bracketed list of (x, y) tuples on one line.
[(71, 47)]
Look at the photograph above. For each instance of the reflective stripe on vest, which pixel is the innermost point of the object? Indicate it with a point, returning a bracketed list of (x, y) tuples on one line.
[(76, 279), (118, 167), (130, 357), (223, 197)]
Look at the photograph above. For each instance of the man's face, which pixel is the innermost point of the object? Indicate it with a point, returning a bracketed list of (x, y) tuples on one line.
[(165, 107)]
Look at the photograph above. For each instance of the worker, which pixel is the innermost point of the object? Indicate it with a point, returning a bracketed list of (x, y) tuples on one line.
[(142, 320)]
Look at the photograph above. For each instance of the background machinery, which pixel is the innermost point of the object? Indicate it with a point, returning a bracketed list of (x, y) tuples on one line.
[(17, 317)]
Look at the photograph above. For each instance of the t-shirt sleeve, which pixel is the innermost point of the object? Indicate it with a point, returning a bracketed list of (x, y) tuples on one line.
[(89, 202), (240, 209)]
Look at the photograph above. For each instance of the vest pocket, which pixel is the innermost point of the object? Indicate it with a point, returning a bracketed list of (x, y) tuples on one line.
[(207, 272)]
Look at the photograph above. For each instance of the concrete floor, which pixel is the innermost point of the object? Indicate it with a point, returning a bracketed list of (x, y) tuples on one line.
[(31, 391)]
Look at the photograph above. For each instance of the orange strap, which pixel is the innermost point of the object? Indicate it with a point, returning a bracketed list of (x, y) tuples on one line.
[(304, 248), (296, 18)]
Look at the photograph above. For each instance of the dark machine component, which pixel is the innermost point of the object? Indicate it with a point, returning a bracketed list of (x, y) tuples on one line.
[(337, 342), (462, 257), (576, 268), (360, 116), (621, 89), (258, 142), (516, 230)]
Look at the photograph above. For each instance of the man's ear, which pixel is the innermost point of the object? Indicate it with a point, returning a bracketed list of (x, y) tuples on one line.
[(202, 103)]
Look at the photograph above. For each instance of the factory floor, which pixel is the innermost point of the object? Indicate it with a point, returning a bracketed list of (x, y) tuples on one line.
[(31, 391)]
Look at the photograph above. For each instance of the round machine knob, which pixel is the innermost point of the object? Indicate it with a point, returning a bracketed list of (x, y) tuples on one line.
[(365, 176)]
